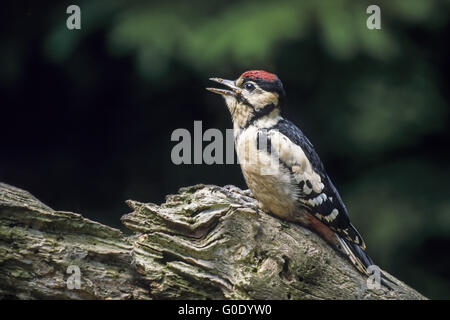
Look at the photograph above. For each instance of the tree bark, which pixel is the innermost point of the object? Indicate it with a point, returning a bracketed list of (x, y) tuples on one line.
[(206, 242)]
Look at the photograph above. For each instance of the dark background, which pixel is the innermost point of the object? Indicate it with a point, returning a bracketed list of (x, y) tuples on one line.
[(86, 116)]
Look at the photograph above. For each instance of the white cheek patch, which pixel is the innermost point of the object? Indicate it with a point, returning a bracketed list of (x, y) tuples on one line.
[(262, 98)]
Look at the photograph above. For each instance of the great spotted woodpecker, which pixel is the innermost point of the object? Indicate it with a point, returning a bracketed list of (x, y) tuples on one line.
[(300, 190)]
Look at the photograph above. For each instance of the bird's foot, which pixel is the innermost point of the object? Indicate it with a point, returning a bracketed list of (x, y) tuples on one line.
[(257, 206), (247, 193)]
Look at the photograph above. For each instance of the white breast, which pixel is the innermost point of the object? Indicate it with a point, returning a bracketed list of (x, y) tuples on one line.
[(270, 182)]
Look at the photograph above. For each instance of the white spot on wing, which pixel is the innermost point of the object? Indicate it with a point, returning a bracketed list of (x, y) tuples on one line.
[(332, 215), (318, 200)]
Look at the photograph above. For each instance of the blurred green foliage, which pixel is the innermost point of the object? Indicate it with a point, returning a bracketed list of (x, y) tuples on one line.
[(374, 102)]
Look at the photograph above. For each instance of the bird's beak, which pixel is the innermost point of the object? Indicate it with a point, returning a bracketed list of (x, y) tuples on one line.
[(229, 83)]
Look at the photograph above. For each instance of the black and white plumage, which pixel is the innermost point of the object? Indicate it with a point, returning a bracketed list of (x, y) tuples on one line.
[(326, 205), (281, 167)]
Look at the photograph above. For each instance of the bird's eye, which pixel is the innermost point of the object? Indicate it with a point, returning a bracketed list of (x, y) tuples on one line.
[(249, 86)]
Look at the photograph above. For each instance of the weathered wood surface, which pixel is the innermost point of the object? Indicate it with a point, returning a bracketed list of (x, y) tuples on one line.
[(204, 242)]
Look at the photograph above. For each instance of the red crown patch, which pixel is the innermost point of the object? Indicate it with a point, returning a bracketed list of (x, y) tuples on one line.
[(259, 74)]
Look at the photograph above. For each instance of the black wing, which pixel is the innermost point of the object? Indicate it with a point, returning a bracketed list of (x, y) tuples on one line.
[(327, 205)]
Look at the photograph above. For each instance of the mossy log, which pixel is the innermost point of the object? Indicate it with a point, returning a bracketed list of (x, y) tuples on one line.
[(206, 242)]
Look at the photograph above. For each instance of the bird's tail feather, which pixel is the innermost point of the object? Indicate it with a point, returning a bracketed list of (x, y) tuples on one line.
[(361, 260)]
